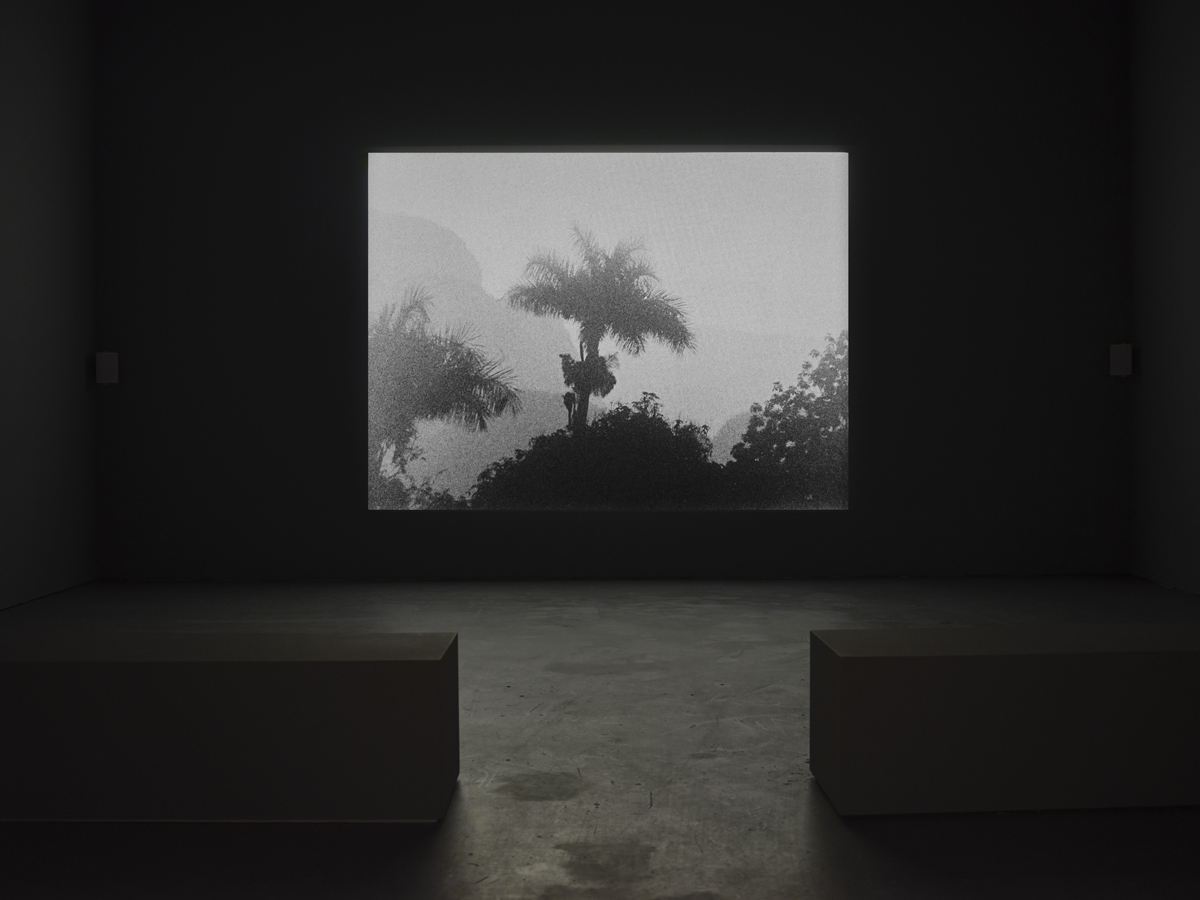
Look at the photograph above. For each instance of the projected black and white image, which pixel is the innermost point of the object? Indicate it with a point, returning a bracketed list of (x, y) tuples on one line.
[(608, 330)]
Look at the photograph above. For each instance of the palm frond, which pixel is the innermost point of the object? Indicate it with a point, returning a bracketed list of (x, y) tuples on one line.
[(585, 242), (471, 387), (608, 295), (549, 267), (414, 308), (653, 314), (545, 298), (410, 311), (549, 288), (414, 373), (624, 265)]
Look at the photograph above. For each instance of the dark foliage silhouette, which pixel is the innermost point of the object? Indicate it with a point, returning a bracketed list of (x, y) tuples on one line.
[(414, 373), (795, 451), (630, 457), (609, 295)]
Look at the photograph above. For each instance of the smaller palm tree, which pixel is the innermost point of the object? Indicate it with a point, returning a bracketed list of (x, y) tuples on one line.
[(609, 295), (416, 374)]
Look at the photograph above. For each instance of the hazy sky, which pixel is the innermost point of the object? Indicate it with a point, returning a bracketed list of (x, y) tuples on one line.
[(754, 242), (751, 240)]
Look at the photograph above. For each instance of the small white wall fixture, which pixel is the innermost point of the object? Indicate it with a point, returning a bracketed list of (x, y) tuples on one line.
[(1120, 359), (106, 368)]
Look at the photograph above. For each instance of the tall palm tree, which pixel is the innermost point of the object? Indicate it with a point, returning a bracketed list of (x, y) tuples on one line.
[(414, 373), (609, 295)]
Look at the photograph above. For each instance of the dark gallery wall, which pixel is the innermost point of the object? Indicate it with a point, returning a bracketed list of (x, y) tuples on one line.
[(990, 270), (1166, 540), (47, 316)]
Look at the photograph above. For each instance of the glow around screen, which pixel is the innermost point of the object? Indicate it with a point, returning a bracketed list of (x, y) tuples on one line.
[(608, 330)]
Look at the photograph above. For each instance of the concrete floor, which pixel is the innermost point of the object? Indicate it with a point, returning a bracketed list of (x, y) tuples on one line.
[(620, 740)]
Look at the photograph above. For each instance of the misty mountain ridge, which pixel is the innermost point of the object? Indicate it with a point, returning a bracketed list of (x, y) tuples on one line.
[(406, 248), (406, 252), (728, 436)]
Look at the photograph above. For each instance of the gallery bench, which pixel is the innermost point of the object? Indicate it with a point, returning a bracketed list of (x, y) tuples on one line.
[(928, 720), (228, 727)]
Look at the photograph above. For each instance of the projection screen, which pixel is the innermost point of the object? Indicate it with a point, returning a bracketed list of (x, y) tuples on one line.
[(610, 329)]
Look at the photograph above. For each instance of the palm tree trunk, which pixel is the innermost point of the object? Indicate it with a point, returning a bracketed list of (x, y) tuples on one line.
[(584, 390), (581, 411)]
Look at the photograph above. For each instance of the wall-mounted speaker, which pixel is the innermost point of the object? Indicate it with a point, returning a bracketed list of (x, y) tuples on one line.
[(106, 368), (1120, 359)]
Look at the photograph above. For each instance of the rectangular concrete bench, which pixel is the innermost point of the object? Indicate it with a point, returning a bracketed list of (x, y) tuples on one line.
[(228, 727), (928, 720)]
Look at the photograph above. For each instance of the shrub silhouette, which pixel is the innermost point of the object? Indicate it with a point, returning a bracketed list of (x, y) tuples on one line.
[(795, 451), (629, 458)]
